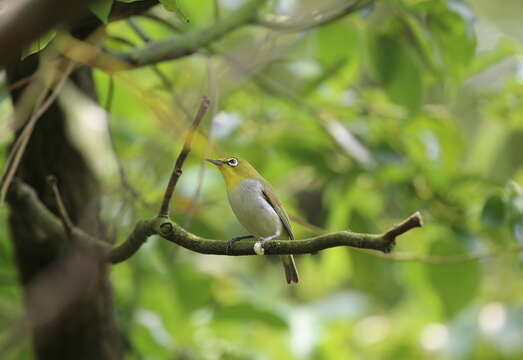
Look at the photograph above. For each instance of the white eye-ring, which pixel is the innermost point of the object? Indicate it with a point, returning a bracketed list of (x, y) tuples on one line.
[(232, 162)]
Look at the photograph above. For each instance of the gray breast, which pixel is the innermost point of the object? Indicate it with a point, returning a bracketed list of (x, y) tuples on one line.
[(253, 211)]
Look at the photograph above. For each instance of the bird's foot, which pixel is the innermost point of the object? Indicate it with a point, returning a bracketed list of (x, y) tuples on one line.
[(229, 244)]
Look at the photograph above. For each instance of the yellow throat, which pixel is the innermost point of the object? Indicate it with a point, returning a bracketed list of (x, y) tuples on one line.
[(235, 170)]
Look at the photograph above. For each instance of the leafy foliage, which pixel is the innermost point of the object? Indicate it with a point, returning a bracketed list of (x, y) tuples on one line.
[(432, 89)]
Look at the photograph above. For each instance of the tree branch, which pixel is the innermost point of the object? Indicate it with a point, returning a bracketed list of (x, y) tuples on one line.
[(382, 242), (142, 231), (178, 46), (177, 171), (64, 216), (21, 142), (24, 196)]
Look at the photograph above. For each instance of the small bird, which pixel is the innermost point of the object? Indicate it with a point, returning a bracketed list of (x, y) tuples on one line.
[(256, 206)]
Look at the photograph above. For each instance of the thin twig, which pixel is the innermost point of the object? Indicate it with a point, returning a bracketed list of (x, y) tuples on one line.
[(317, 18), (177, 170), (22, 141), (62, 211), (121, 171), (16, 84), (167, 84)]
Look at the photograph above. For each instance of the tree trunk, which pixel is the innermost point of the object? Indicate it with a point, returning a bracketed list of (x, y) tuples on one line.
[(66, 288)]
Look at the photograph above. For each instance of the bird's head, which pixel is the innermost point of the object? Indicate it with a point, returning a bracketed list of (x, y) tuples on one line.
[(234, 170)]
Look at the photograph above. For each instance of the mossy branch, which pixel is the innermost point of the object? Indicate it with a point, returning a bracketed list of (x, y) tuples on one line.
[(24, 196), (382, 242)]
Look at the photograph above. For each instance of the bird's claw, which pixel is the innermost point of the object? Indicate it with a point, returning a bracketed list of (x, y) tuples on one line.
[(230, 242)]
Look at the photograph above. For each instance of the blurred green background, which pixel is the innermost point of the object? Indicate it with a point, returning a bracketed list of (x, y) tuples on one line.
[(405, 105)]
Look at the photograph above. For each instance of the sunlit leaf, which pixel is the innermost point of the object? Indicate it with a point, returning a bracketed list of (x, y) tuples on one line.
[(101, 8), (38, 45), (172, 5), (454, 38), (395, 67)]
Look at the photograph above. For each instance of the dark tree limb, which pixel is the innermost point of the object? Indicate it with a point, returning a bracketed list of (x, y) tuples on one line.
[(24, 21), (27, 200), (30, 19), (62, 211), (177, 171)]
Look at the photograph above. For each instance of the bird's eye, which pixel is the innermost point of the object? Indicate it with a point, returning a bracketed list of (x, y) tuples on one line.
[(232, 162)]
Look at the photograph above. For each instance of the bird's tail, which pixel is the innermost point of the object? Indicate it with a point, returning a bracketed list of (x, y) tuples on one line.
[(291, 272)]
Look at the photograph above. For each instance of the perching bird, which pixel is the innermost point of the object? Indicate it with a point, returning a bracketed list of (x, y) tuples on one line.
[(256, 206)]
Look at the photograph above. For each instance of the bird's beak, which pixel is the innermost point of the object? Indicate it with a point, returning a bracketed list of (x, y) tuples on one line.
[(215, 161)]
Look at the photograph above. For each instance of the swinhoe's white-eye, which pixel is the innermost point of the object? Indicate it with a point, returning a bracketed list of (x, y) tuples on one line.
[(257, 207)]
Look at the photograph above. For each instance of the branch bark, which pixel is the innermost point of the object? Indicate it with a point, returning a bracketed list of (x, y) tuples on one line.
[(174, 233), (382, 242), (178, 46)]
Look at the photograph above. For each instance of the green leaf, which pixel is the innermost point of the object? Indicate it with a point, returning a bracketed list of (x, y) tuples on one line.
[(454, 39), (102, 9), (244, 312), (39, 44), (455, 284), (393, 64), (171, 5), (328, 42), (493, 213)]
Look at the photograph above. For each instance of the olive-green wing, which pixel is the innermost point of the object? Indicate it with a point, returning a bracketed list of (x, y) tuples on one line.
[(268, 194)]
